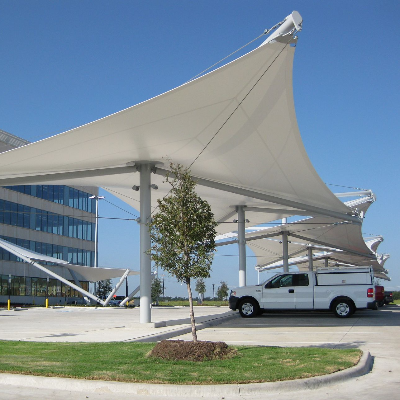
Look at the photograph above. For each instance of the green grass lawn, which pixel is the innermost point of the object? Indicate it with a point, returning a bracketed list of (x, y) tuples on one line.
[(127, 362)]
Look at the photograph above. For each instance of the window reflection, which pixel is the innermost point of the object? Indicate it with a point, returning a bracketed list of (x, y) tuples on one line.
[(65, 195), (45, 221)]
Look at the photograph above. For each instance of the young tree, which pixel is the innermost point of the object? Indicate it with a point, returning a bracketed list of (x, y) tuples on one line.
[(222, 292), (104, 288), (156, 290), (200, 288), (183, 233)]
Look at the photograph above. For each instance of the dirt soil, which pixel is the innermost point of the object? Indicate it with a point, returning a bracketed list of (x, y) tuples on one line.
[(192, 351)]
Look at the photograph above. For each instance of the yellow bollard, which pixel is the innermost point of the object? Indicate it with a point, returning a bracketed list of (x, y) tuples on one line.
[(47, 303), (8, 304)]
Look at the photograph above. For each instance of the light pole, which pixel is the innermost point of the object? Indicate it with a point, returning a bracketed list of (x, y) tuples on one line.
[(96, 235)]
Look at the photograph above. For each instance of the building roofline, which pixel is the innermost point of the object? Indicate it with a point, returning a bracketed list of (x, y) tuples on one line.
[(12, 140)]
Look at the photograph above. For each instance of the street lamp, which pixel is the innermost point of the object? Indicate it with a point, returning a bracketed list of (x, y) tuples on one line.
[(96, 234)]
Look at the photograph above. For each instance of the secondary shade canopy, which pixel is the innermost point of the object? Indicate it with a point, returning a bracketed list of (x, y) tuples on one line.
[(86, 273)]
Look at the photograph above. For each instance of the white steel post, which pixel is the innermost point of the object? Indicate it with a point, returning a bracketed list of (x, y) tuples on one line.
[(96, 237), (310, 259), (242, 245), (285, 251), (145, 242)]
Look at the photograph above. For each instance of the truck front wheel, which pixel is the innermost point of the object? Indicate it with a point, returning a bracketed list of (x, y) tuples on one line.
[(248, 308), (343, 308)]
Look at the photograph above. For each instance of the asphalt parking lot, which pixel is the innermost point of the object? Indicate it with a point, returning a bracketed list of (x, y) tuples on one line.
[(376, 332)]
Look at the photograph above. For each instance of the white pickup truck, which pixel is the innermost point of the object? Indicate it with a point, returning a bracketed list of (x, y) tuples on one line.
[(342, 291)]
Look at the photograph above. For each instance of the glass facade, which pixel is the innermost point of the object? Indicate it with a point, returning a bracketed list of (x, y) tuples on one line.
[(38, 287), (64, 195), (45, 221), (39, 220)]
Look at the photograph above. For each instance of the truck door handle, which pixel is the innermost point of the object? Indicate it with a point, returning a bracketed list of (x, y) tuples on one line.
[(291, 290)]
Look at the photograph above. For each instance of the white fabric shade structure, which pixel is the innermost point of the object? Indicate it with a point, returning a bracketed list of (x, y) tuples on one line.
[(333, 242), (85, 273), (236, 129), (245, 108)]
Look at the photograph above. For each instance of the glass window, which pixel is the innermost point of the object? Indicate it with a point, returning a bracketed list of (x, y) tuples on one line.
[(281, 281), (34, 282), (14, 214), (56, 194), (27, 217), (71, 197), (61, 190), (1, 211), (80, 229), (41, 287), (28, 286), (4, 285), (7, 212), (80, 201), (59, 194), (50, 196), (300, 280), (45, 192), (38, 220), (52, 291)]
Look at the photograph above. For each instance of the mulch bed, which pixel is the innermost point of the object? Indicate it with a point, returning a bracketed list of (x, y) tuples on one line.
[(192, 351)]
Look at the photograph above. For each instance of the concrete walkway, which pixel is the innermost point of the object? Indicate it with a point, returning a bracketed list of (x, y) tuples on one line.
[(375, 332)]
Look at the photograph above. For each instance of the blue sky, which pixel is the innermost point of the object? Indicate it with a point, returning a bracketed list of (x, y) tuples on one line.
[(68, 62)]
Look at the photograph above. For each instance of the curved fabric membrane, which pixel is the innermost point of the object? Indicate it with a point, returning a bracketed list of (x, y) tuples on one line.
[(235, 125)]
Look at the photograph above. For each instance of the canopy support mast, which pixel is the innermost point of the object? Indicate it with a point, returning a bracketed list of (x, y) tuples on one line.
[(242, 245), (285, 251)]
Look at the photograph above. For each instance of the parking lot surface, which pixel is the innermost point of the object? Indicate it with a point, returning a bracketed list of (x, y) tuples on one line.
[(376, 332)]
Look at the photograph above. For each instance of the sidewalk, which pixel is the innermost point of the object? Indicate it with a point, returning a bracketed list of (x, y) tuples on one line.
[(104, 324)]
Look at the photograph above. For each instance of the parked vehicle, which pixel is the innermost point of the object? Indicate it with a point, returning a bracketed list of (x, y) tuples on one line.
[(342, 291), (379, 295), (388, 297), (114, 303)]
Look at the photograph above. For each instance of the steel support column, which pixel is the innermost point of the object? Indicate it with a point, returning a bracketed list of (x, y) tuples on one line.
[(242, 245), (145, 241), (285, 251), (310, 259)]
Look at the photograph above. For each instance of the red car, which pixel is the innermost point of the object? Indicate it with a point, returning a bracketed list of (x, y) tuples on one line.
[(380, 295), (388, 297)]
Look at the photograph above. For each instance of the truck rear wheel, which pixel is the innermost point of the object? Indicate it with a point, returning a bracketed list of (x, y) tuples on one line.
[(343, 308), (248, 308)]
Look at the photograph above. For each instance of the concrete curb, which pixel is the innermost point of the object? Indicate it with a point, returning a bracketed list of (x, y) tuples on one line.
[(363, 367)]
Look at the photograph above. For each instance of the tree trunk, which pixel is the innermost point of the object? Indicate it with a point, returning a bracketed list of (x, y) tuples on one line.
[(194, 333)]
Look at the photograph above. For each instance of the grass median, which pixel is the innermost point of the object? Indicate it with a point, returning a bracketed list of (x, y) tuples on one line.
[(128, 362)]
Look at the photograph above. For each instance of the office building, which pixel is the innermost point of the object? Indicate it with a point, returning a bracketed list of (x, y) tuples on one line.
[(58, 221)]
